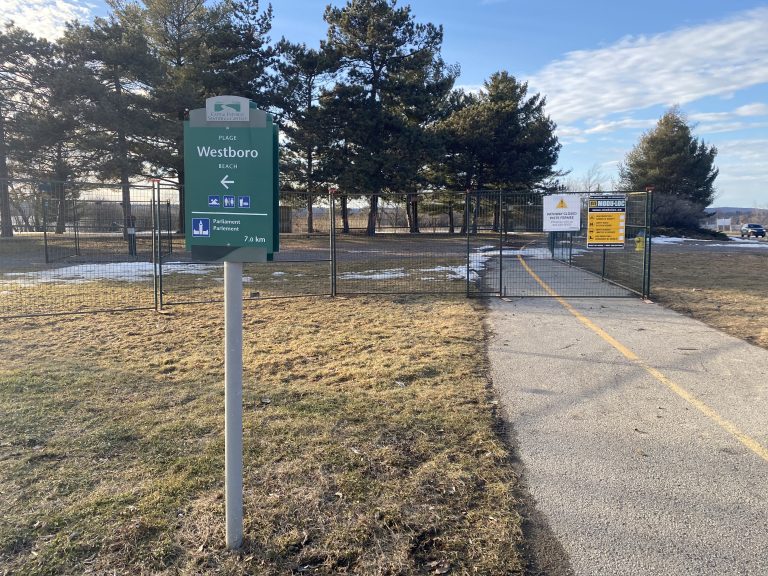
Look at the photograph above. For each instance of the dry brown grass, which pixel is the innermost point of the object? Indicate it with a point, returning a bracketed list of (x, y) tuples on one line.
[(370, 444), (725, 290)]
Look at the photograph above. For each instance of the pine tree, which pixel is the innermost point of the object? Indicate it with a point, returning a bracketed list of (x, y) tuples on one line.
[(678, 166), (500, 138), (20, 87), (179, 32), (122, 72), (392, 76), (303, 73)]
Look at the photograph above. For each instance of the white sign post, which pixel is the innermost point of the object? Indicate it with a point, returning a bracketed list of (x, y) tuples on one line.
[(233, 402), (562, 213)]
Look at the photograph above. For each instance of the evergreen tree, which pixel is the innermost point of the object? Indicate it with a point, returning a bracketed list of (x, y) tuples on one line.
[(20, 53), (500, 138), (241, 55), (122, 71), (678, 166), (392, 74), (180, 33), (51, 132), (302, 75)]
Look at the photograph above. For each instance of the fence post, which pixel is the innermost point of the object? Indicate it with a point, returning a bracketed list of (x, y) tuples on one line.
[(501, 247), (648, 242), (467, 206), (332, 201), (45, 229), (155, 239), (159, 249)]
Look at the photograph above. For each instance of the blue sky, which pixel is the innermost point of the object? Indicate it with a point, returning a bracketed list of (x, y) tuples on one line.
[(609, 69)]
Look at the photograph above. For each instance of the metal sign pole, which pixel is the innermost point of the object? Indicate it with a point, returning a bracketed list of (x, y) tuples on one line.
[(233, 402)]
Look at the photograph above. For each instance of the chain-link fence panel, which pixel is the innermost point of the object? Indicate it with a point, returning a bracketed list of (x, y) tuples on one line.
[(401, 244), (77, 247), (302, 267)]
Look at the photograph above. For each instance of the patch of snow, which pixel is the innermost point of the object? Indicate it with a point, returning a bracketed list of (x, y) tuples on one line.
[(674, 240), (115, 271), (742, 244), (751, 241), (453, 272), (374, 274)]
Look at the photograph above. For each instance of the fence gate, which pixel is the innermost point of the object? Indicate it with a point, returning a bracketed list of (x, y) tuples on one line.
[(512, 255), (482, 243)]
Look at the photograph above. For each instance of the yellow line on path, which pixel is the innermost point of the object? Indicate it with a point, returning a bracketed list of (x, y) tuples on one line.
[(710, 413)]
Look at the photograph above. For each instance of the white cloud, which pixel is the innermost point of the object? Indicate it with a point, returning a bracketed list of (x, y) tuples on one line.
[(45, 18), (626, 123), (756, 109), (677, 67), (729, 126), (736, 117)]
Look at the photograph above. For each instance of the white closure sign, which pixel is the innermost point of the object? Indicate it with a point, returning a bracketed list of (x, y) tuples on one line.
[(562, 213)]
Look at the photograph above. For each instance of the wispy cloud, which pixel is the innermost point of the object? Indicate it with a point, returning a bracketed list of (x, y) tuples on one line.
[(45, 18), (678, 67), (756, 109), (622, 124)]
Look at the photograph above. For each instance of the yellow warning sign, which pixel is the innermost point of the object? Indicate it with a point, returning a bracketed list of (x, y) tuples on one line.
[(562, 204), (606, 221)]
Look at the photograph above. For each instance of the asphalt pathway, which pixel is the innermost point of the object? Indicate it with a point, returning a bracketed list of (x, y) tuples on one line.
[(643, 435)]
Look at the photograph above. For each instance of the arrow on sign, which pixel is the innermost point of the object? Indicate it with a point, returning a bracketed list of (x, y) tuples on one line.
[(225, 182)]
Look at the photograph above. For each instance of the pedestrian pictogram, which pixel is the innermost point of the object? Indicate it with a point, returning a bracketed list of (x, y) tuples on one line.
[(229, 201)]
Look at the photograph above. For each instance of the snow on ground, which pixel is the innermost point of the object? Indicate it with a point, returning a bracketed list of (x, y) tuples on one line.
[(143, 271), (671, 240), (741, 244), (733, 243), (118, 272), (374, 274)]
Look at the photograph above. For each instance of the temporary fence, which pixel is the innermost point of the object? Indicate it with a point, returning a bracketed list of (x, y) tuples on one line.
[(81, 247)]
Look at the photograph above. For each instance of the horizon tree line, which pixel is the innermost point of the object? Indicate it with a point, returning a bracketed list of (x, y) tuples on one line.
[(372, 109)]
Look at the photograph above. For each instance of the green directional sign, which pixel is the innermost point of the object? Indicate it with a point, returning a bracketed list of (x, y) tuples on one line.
[(231, 190)]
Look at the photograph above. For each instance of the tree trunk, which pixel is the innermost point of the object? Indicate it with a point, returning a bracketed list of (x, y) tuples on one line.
[(344, 215), (6, 225), (467, 210), (450, 218), (413, 214), (310, 222), (122, 151), (476, 212), (372, 215), (61, 218), (408, 214), (60, 192)]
